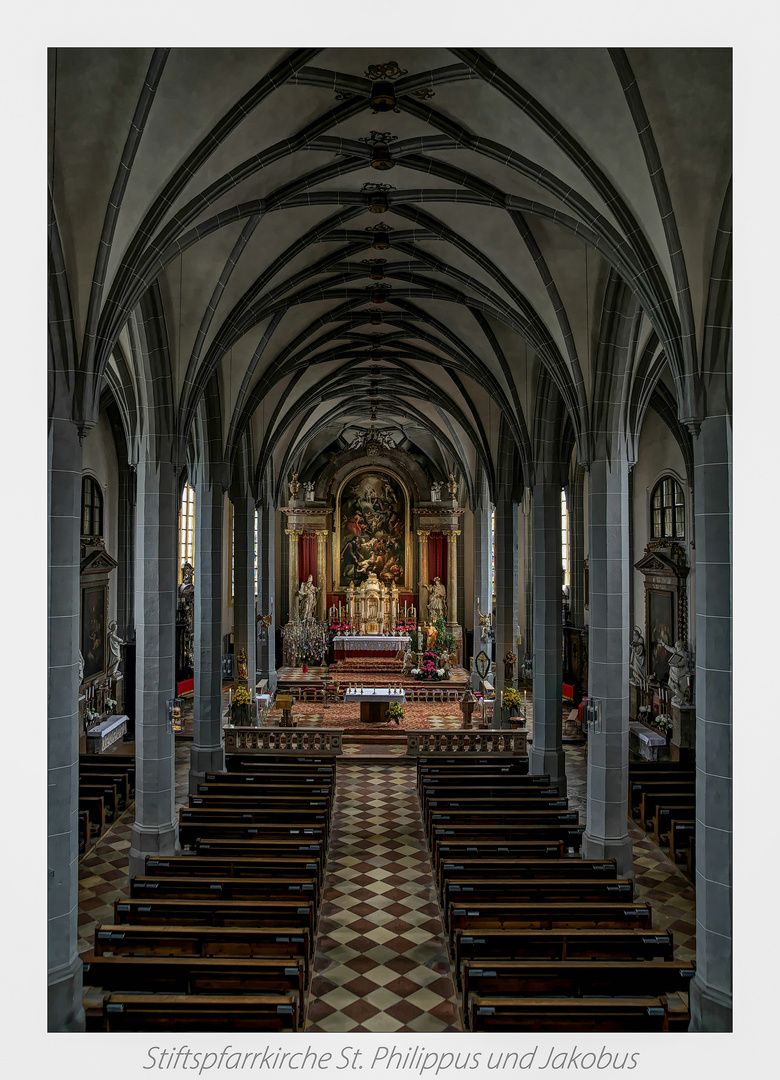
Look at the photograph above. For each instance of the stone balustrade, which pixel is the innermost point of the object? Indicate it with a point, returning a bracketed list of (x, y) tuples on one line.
[(466, 741), (266, 740)]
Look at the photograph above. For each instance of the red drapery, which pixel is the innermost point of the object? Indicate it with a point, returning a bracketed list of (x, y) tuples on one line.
[(437, 557), (307, 557)]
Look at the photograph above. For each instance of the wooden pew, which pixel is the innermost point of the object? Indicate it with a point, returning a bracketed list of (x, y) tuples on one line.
[(193, 832), (569, 835), (638, 789), (276, 778), (546, 915), (444, 776), (681, 831), (237, 761), (261, 766), (453, 849), (681, 806), (105, 775), (286, 941), (261, 800), (489, 890), (272, 887), (194, 975), (303, 866), (474, 819), (524, 869), (254, 815), (437, 810), (94, 806), (324, 791), (575, 943), (200, 1012), (432, 790), (568, 1014), (107, 792), (84, 831), (178, 912), (576, 978), (115, 762), (664, 794), (259, 847)]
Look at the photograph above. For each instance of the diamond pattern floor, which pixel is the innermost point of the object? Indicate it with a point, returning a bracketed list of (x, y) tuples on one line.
[(381, 960)]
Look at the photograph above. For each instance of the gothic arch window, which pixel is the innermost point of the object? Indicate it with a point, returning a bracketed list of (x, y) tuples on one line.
[(91, 507), (667, 510), (187, 528)]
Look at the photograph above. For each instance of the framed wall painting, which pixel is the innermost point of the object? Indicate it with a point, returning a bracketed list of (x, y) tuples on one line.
[(372, 530), (94, 603), (660, 632)]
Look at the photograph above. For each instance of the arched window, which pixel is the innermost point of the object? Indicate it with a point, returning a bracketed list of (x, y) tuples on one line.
[(565, 561), (91, 507), (668, 510), (187, 528)]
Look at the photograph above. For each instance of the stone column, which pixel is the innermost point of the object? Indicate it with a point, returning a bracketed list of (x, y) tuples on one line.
[(574, 505), (506, 591), (292, 536), (452, 578), (527, 524), (244, 580), (422, 614), (266, 591), (482, 591), (207, 752), (547, 753), (711, 991), (606, 834), (65, 1011), (322, 573), (154, 830)]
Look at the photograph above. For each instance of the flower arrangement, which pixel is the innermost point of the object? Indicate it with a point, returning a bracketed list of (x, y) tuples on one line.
[(664, 723), (395, 711), (429, 668), (340, 626), (511, 699), (90, 717), (110, 704), (241, 696), (405, 626)]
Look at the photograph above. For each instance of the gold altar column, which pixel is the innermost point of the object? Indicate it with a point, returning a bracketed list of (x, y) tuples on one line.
[(422, 614), (292, 535), (322, 574), (452, 577)]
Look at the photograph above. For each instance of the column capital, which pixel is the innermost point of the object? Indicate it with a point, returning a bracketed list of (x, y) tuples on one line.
[(293, 532), (321, 534), (423, 533), (452, 535)]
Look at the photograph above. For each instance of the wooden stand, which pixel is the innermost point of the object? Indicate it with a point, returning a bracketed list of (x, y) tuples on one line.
[(373, 712)]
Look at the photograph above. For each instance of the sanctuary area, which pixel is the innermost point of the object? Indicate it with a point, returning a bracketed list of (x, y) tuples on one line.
[(390, 547)]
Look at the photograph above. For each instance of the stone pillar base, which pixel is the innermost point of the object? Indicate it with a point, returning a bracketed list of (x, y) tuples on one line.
[(65, 1008), (710, 1011), (621, 850), (150, 841), (204, 759), (552, 762)]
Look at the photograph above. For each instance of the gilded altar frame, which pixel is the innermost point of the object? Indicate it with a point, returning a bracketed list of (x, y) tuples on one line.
[(407, 583)]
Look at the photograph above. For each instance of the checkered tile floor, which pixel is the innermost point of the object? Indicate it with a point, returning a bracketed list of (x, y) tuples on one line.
[(381, 960)]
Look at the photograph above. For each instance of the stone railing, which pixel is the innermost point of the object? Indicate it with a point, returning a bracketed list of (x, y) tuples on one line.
[(483, 741), (268, 740)]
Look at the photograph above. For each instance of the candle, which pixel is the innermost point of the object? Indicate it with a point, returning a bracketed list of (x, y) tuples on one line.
[(404, 609), (230, 697)]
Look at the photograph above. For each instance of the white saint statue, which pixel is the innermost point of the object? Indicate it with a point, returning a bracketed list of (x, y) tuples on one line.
[(307, 598), (678, 674), (638, 674), (114, 641), (437, 599)]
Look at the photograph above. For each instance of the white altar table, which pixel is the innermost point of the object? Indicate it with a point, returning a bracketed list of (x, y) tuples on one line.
[(106, 733), (369, 644), (373, 702)]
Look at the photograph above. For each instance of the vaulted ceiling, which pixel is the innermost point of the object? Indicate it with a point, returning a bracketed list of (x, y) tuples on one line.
[(240, 231)]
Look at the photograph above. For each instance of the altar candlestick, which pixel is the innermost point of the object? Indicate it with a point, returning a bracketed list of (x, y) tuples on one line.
[(230, 697)]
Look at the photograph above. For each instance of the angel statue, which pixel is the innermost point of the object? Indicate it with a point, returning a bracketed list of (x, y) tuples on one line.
[(437, 599), (485, 622), (265, 620)]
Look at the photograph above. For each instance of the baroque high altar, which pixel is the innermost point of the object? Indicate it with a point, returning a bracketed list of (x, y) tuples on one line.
[(375, 543)]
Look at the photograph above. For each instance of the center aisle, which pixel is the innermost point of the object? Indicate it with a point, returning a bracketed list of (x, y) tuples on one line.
[(381, 960)]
